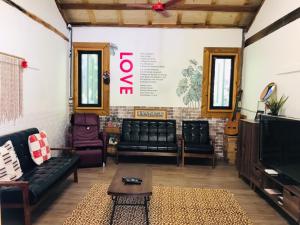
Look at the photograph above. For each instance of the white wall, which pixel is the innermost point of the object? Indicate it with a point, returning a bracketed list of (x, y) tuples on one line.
[(271, 11), (46, 83), (274, 58), (171, 49)]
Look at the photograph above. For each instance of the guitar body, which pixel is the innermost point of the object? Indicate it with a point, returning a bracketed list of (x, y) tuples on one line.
[(232, 126)]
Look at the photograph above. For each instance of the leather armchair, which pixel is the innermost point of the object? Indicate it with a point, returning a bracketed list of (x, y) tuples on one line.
[(85, 138), (196, 141)]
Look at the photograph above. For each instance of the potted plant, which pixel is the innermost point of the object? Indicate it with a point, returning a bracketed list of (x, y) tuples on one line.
[(275, 105)]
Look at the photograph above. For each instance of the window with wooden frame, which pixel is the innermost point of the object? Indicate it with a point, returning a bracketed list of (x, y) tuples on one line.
[(91, 95), (221, 77)]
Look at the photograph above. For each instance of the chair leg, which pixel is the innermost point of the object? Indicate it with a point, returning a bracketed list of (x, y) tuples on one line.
[(213, 161), (76, 175), (117, 157), (182, 158), (26, 206)]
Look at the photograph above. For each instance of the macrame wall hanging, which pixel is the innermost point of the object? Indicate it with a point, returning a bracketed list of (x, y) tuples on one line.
[(11, 87)]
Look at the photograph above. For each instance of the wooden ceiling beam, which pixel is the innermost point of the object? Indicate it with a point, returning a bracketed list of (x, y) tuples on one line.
[(88, 24), (91, 14), (239, 16), (188, 7)]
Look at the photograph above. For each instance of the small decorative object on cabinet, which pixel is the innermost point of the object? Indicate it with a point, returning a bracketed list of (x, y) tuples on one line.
[(230, 144), (113, 134)]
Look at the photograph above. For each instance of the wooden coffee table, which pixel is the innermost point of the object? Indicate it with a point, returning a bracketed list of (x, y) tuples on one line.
[(118, 189)]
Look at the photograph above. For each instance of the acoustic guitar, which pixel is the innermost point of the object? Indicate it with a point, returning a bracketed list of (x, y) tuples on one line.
[(232, 126)]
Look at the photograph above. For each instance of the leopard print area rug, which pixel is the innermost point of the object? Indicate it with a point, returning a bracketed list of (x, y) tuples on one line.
[(168, 206)]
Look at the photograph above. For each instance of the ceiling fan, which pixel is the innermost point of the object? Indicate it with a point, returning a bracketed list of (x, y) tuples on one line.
[(157, 7)]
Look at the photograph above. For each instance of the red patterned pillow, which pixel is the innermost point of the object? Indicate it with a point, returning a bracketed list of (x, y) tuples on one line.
[(39, 147)]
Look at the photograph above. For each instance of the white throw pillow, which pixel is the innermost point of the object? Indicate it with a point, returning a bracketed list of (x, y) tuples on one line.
[(10, 168), (39, 147)]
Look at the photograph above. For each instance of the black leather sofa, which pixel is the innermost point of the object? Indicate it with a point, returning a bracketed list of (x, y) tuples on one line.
[(36, 181), (141, 137)]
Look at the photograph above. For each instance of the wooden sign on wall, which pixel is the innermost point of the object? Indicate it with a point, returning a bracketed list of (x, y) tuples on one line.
[(148, 113)]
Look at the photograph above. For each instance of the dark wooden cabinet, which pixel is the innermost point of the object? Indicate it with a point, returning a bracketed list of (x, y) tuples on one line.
[(248, 153), (276, 188)]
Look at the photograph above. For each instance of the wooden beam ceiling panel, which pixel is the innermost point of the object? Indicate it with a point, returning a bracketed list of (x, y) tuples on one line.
[(187, 13), (223, 18), (111, 16), (239, 16), (90, 12), (213, 26), (189, 7), (179, 18), (193, 17), (209, 14), (140, 17)]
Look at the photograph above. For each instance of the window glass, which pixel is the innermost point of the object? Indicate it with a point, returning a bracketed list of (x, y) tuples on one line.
[(221, 82), (89, 82)]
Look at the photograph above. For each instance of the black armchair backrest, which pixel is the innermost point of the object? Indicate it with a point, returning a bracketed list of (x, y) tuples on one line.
[(140, 130), (196, 132)]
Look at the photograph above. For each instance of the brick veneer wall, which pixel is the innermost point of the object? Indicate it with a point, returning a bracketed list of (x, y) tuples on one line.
[(179, 114)]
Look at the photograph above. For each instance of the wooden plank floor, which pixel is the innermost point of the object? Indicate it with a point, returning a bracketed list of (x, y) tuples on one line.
[(60, 204)]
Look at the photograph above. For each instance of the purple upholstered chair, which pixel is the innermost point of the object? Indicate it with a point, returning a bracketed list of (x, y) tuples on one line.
[(84, 136)]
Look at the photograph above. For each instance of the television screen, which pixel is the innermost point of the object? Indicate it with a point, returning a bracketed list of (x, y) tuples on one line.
[(280, 145)]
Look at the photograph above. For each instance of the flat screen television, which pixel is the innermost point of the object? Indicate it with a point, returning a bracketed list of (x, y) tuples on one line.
[(279, 145)]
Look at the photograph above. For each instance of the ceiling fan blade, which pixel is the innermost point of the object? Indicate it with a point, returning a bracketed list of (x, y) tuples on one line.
[(164, 13), (139, 6), (171, 2)]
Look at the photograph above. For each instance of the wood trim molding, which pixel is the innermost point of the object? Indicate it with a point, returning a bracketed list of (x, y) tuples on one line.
[(37, 19), (208, 52), (190, 7), (104, 47), (283, 21)]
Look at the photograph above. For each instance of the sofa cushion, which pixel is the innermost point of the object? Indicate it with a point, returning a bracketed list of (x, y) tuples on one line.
[(88, 143), (41, 178), (132, 146), (153, 146), (20, 143), (39, 147), (90, 157), (10, 168), (198, 148)]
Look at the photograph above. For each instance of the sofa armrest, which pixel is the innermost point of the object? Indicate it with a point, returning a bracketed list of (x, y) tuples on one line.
[(20, 184), (64, 150)]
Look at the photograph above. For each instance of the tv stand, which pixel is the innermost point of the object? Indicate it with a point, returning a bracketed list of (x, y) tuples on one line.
[(281, 190), (284, 194)]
